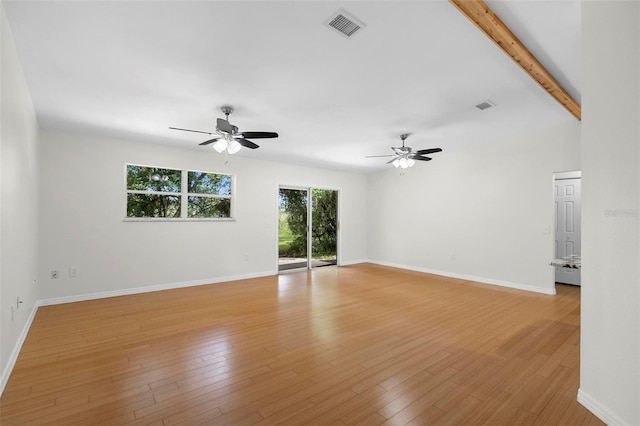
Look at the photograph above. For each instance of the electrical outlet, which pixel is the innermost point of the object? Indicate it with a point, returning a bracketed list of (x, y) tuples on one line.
[(74, 271), (54, 274)]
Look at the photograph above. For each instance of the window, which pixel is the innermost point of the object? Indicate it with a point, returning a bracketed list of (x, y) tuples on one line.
[(209, 194), (154, 192)]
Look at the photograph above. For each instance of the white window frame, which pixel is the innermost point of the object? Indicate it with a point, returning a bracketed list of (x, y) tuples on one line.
[(184, 197)]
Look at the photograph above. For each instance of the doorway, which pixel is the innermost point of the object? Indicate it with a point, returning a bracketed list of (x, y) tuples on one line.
[(567, 197), (307, 228)]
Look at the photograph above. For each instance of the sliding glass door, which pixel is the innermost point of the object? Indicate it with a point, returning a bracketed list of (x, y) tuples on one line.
[(307, 228)]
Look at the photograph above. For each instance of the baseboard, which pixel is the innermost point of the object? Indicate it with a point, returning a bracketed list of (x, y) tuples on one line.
[(599, 410), (16, 350), (148, 289), (518, 286)]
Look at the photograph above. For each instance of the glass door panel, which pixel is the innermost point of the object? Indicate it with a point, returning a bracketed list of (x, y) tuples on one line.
[(293, 216), (324, 227)]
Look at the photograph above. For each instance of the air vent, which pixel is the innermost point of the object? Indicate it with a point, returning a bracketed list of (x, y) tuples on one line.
[(485, 105), (344, 24)]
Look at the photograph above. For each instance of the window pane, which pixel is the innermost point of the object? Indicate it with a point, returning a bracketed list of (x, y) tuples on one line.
[(142, 178), (209, 207), (209, 183), (143, 205)]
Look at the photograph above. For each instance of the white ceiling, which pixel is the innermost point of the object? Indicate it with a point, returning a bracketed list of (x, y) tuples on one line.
[(133, 68)]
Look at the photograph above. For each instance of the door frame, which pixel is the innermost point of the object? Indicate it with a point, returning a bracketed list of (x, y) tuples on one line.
[(308, 188)]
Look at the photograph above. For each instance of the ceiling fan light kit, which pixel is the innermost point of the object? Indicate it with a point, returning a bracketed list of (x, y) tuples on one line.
[(403, 163), (229, 144)]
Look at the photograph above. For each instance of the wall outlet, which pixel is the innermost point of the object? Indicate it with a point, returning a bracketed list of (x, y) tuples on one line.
[(54, 274), (74, 271)]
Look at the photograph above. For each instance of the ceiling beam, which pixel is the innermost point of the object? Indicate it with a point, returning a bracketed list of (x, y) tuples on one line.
[(489, 23)]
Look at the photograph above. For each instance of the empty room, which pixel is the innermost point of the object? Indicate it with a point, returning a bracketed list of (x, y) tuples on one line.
[(320, 212)]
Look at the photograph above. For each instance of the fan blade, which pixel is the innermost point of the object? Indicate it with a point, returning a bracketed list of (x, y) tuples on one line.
[(209, 141), (373, 156), (429, 151), (259, 135), (247, 143), (189, 130), (421, 158), (392, 160)]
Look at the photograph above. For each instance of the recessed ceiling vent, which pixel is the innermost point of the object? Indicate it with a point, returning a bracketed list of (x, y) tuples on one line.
[(485, 105), (345, 24)]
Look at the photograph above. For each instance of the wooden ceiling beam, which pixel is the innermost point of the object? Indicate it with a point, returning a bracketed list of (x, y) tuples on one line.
[(490, 24)]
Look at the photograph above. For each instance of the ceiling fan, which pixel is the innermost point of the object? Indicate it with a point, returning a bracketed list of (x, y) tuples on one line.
[(404, 156), (226, 137)]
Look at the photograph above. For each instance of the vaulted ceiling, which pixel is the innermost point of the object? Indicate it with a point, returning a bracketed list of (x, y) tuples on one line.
[(131, 69)]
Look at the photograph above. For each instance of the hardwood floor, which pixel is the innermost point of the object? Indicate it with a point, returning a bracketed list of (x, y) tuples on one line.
[(362, 344)]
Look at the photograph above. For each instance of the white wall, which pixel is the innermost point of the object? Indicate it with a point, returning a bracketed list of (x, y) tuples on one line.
[(83, 205), (488, 206), (610, 354), (18, 203)]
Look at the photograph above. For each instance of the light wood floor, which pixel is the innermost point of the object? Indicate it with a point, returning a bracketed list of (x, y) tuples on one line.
[(362, 344)]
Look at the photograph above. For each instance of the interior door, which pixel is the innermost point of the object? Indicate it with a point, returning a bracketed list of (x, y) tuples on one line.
[(567, 214)]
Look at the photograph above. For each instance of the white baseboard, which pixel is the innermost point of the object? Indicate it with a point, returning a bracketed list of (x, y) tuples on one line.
[(518, 286), (602, 412), (148, 289), (16, 350)]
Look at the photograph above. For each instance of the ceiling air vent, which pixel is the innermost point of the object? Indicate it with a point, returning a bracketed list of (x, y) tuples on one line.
[(485, 105), (344, 23)]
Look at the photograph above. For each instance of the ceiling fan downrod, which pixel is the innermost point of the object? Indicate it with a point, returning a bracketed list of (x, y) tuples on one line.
[(403, 137)]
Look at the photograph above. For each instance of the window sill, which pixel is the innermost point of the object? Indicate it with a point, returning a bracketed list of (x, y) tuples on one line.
[(178, 219)]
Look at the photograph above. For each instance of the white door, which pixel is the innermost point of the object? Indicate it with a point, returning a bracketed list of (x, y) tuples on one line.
[(567, 206)]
